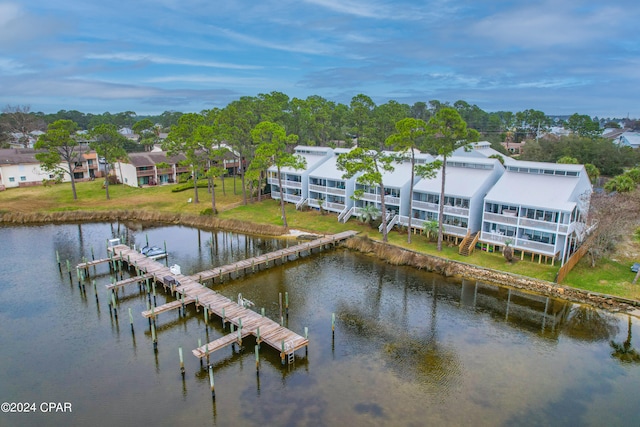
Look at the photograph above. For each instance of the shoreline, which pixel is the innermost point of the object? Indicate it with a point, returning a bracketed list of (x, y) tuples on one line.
[(391, 254)]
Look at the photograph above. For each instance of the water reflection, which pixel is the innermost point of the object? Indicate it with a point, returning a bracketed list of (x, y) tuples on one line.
[(408, 345)]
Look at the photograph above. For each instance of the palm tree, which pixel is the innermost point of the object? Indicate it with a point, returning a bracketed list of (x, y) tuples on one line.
[(369, 213)]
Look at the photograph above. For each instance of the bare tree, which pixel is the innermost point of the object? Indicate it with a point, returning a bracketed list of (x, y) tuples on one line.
[(617, 214), (18, 119)]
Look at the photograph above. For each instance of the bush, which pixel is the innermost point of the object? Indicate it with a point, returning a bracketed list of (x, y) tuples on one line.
[(208, 212)]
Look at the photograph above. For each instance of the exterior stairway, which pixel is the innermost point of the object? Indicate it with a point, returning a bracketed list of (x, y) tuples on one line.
[(468, 244)]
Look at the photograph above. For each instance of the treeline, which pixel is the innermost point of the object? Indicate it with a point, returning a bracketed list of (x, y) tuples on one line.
[(316, 116), (318, 121)]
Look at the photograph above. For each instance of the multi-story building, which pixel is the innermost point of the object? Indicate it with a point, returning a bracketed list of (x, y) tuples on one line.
[(538, 208), (328, 188), (468, 179), (295, 183), (142, 169)]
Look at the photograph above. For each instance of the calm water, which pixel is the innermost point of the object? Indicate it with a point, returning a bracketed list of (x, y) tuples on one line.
[(410, 348)]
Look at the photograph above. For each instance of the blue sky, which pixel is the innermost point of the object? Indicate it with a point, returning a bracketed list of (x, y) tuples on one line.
[(558, 56)]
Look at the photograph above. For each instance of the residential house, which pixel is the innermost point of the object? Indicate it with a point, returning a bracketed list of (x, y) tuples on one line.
[(538, 208), (295, 183), (329, 188), (630, 139), (20, 168), (468, 180), (396, 187), (142, 169)]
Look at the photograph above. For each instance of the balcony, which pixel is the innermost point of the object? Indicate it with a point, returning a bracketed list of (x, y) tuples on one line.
[(425, 206), (149, 172), (329, 206), (327, 190), (535, 223), (517, 243), (502, 219), (455, 210)]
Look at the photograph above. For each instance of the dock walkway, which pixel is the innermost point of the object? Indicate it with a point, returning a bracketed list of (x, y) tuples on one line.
[(257, 261), (188, 289)]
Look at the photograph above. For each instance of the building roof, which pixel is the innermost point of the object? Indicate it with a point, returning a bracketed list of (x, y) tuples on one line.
[(151, 158), (312, 155), (482, 149), (538, 189), (17, 156), (632, 139), (329, 169), (463, 179)]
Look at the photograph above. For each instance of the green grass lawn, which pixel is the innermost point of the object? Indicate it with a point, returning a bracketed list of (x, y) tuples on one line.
[(609, 276)]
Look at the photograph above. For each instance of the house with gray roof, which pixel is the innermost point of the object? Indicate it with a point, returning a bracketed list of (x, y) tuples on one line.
[(141, 169), (329, 188), (468, 180), (295, 182), (538, 208), (396, 187)]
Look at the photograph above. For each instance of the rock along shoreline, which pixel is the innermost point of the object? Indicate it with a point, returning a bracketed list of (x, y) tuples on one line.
[(391, 254)]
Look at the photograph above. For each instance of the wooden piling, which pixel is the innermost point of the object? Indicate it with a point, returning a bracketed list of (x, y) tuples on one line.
[(181, 361), (213, 390), (131, 320), (286, 303), (257, 358)]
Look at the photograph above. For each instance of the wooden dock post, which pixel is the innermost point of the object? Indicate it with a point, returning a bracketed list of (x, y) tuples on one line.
[(95, 290), (69, 270), (286, 303), (148, 309), (282, 351), (93, 257), (280, 305), (206, 318), (257, 358), (200, 345), (58, 260), (131, 320), (181, 361), (115, 307), (213, 390), (154, 337), (223, 319), (306, 337), (333, 323)]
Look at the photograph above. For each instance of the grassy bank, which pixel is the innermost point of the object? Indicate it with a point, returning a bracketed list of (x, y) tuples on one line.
[(610, 276)]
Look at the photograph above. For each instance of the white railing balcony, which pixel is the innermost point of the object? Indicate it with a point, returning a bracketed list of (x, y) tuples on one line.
[(392, 200), (327, 190), (536, 223), (291, 198), (522, 244), (455, 210), (502, 219), (370, 197), (534, 246), (425, 206), (292, 184), (273, 181), (318, 188), (454, 230)]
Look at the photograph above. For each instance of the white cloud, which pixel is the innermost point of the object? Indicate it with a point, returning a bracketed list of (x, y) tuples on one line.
[(143, 57), (548, 24)]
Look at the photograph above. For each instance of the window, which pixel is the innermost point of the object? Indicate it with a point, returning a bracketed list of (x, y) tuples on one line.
[(23, 178), (12, 179)]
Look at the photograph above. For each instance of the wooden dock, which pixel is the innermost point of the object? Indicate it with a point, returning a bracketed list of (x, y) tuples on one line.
[(271, 257), (188, 290)]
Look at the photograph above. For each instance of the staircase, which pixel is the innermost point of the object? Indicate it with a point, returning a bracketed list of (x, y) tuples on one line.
[(468, 244)]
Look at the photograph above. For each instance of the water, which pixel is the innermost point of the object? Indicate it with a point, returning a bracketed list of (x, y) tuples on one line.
[(410, 348)]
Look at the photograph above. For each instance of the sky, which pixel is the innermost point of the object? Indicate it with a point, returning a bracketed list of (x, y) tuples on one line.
[(557, 56)]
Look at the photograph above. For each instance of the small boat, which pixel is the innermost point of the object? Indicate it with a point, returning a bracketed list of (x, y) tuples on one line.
[(153, 252)]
